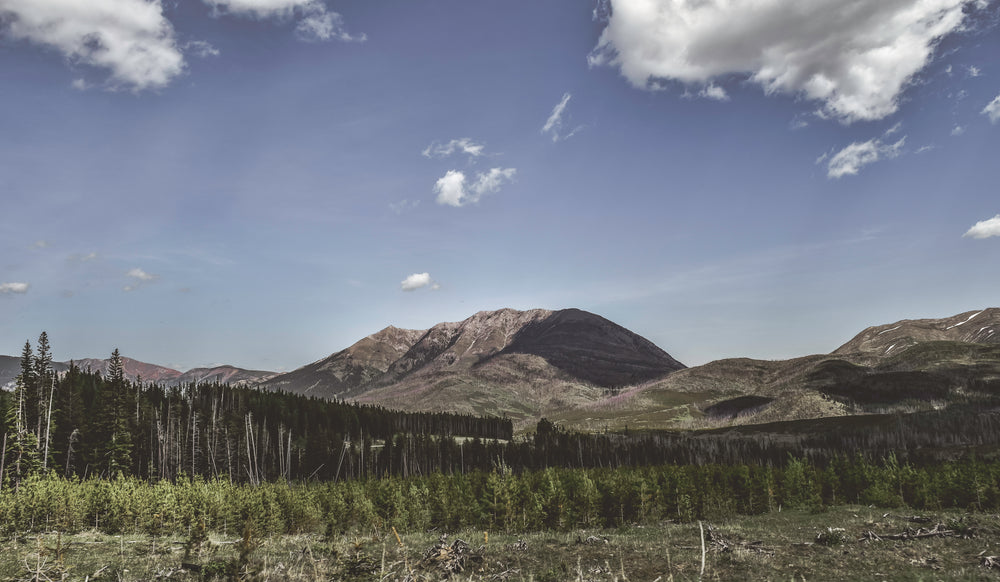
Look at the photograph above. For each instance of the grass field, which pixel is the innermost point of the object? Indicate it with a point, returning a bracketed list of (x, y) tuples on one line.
[(854, 543)]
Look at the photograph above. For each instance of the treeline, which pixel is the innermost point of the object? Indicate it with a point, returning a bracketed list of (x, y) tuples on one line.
[(498, 500), (88, 423)]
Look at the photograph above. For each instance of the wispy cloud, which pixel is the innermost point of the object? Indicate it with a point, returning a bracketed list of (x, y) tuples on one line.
[(201, 49), (139, 278), (418, 281), (315, 21), (462, 145), (993, 110), (41, 244), (554, 125), (852, 158), (855, 59), (985, 228), (132, 39), (957, 130), (403, 206), (19, 288), (454, 190)]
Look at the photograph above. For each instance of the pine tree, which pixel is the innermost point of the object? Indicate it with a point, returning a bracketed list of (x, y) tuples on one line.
[(118, 447)]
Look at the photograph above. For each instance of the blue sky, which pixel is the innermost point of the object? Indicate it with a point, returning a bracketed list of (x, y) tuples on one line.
[(263, 182)]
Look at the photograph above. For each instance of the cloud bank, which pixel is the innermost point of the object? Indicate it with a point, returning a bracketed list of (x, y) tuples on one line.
[(985, 228), (316, 21), (454, 190), (855, 57)]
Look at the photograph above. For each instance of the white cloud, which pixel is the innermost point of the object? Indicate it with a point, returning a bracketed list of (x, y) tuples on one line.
[(852, 158), (993, 110), (974, 71), (924, 149), (453, 189), (21, 288), (556, 122), (41, 244), (80, 84), (985, 228), (462, 145), (957, 130), (415, 281), (316, 21), (130, 38), (141, 278), (713, 91), (201, 49), (853, 56)]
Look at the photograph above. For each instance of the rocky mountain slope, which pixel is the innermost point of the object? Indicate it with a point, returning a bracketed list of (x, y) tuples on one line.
[(979, 327), (519, 363), (905, 366)]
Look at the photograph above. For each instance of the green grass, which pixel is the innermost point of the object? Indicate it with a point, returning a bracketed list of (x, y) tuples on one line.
[(781, 545)]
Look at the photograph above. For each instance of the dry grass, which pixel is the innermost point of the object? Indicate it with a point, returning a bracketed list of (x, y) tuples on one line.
[(775, 546)]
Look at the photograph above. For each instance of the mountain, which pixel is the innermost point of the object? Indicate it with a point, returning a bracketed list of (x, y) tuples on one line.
[(343, 373), (10, 367), (222, 375), (520, 363), (906, 366), (133, 369), (980, 327)]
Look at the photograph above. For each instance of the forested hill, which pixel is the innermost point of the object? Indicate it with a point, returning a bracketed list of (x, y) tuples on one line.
[(85, 423)]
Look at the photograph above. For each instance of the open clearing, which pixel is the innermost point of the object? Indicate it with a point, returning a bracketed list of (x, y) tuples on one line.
[(842, 543)]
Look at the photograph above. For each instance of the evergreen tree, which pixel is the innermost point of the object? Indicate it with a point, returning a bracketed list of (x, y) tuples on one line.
[(118, 447)]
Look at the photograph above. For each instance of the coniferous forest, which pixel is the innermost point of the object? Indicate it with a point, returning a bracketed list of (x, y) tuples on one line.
[(92, 448)]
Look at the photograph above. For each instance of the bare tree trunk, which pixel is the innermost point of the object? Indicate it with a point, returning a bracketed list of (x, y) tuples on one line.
[(48, 427)]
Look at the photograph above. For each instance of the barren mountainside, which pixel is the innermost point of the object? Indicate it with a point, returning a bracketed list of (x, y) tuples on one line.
[(980, 327), (507, 361)]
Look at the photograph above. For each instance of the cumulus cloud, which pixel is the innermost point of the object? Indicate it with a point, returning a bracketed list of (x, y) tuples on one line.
[(713, 91), (140, 278), (985, 228), (454, 190), (316, 22), (993, 110), (555, 124), (855, 57), (462, 145), (416, 281), (957, 130), (20, 288), (130, 38), (852, 158)]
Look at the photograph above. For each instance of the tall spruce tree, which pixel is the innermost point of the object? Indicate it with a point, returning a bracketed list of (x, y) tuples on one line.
[(117, 429)]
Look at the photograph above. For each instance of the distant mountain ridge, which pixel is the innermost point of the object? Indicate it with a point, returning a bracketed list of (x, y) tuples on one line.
[(10, 367)]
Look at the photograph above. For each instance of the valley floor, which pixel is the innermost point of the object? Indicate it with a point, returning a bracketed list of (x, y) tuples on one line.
[(841, 543)]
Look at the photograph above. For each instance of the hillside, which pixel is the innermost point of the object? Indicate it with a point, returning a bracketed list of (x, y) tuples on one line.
[(906, 366), (519, 363), (980, 327)]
